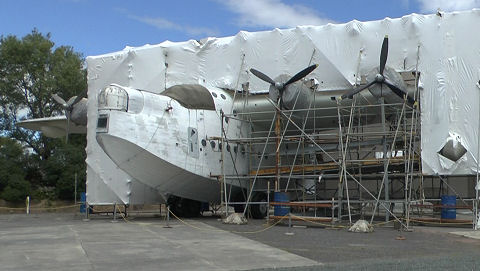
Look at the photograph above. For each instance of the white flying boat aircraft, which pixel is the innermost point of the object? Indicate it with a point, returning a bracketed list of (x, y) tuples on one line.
[(172, 141)]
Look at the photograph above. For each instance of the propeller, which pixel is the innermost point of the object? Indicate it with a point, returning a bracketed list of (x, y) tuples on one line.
[(381, 79), (282, 86), (68, 106)]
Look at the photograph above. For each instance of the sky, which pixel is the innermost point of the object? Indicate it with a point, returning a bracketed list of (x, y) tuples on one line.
[(94, 27)]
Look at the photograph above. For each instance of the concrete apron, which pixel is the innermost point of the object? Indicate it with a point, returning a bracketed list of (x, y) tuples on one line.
[(61, 242)]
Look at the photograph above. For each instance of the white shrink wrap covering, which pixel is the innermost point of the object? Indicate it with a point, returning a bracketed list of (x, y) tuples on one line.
[(447, 47)]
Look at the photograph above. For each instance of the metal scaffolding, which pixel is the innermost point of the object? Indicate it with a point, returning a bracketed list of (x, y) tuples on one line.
[(365, 165)]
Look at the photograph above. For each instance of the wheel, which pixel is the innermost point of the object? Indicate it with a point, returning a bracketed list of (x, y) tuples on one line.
[(238, 208), (176, 206), (183, 207), (259, 211), (239, 197), (192, 208)]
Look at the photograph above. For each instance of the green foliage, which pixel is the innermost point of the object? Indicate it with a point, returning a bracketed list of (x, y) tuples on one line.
[(31, 70), (62, 166), (13, 185), (17, 189), (11, 161)]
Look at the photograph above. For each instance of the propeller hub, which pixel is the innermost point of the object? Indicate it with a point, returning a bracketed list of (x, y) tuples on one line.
[(379, 78), (279, 85)]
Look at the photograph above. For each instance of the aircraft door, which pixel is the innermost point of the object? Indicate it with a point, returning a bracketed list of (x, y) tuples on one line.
[(193, 142)]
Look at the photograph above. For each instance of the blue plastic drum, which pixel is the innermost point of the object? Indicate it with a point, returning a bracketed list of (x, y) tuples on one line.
[(279, 210), (449, 213)]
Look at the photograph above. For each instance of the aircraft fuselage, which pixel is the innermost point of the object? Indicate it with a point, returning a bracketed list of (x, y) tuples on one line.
[(167, 146)]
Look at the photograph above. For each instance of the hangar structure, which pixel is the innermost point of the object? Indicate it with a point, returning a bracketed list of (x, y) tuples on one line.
[(372, 158)]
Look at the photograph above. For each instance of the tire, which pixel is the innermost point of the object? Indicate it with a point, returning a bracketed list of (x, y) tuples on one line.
[(183, 207), (239, 197), (259, 211), (192, 208), (176, 206), (238, 208)]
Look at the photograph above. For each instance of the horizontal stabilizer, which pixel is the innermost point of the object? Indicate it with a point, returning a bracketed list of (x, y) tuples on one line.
[(53, 126)]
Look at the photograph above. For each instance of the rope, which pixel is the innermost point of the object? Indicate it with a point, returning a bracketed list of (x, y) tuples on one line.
[(241, 232), (8, 208), (203, 228), (128, 221), (244, 232), (384, 222), (40, 208), (440, 223), (318, 223), (337, 226), (424, 222)]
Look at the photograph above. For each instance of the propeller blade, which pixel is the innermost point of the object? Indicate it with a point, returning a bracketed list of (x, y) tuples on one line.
[(70, 102), (384, 54), (357, 90), (262, 76), (400, 92), (68, 127), (301, 74), (79, 97), (59, 100)]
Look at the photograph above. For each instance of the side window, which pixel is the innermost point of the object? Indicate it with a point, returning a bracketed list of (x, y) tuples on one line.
[(193, 142)]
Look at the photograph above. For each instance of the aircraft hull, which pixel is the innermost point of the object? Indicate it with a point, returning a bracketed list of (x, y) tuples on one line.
[(157, 173), (171, 148)]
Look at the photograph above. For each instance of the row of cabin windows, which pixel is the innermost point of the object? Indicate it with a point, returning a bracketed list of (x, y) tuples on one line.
[(213, 144), (235, 148), (221, 95)]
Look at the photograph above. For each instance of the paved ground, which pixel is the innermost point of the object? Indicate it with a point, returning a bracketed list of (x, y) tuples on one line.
[(426, 248), (65, 242), (468, 234)]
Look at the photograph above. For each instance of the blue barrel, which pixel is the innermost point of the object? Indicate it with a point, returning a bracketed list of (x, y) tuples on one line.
[(83, 200), (449, 213), (204, 207), (280, 210)]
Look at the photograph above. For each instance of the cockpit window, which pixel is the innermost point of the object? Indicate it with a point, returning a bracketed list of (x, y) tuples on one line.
[(191, 96), (113, 97)]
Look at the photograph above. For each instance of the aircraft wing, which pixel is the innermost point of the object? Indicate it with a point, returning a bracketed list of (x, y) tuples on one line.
[(53, 126)]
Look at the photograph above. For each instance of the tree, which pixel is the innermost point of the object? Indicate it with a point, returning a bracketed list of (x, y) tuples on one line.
[(13, 185), (62, 166), (31, 70)]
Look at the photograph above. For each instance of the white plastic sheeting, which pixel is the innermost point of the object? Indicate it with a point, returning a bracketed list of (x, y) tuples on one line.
[(106, 183), (361, 226), (447, 48)]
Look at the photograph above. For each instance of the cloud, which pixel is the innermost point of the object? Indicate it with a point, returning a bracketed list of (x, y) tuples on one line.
[(164, 24), (272, 13), (447, 5)]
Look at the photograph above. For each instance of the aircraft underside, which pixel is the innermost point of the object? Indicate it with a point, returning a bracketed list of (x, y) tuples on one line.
[(166, 178)]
